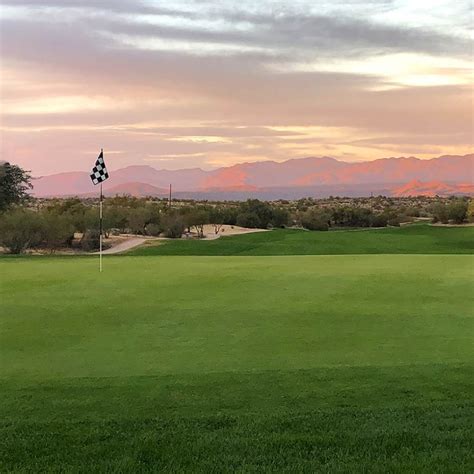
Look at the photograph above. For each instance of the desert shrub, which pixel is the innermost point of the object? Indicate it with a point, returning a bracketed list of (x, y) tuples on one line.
[(439, 212), (347, 216), (138, 218), (197, 219), (380, 220), (20, 229), (172, 225), (457, 211), (217, 217), (56, 230), (248, 219), (90, 240), (470, 211), (280, 217), (115, 217), (254, 207), (153, 230), (315, 219)]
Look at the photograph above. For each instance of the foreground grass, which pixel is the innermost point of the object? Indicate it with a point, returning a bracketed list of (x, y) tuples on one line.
[(325, 363), (413, 239)]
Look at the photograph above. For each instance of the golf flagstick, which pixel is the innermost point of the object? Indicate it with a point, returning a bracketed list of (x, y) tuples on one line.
[(100, 229), (98, 175)]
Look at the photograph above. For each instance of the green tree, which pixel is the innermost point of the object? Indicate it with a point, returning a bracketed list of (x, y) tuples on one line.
[(315, 219), (281, 217), (217, 217), (14, 185), (173, 225), (470, 211), (197, 219), (248, 219), (439, 212), (255, 207), (138, 218), (57, 230), (457, 211)]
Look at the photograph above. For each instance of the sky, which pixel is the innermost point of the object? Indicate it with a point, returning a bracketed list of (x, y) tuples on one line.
[(187, 84)]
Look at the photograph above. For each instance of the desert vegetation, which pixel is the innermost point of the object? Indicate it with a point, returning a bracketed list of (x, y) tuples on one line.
[(54, 224)]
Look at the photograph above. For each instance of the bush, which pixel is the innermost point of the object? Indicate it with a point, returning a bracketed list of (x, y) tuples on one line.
[(248, 219), (457, 211), (353, 216), (281, 217), (197, 218), (315, 219), (173, 226), (20, 229), (439, 212), (57, 230), (138, 219), (255, 208), (470, 211), (153, 230), (90, 240), (380, 220)]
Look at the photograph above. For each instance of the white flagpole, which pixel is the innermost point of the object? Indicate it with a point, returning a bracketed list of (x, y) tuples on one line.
[(100, 225)]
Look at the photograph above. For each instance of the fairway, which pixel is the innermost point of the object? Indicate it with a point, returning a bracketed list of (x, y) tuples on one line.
[(410, 239), (328, 363)]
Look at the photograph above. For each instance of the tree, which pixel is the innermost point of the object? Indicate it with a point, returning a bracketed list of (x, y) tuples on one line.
[(439, 212), (14, 185), (138, 219), (248, 219), (262, 210), (173, 225), (457, 211), (315, 219), (217, 217), (20, 229), (281, 217), (90, 240), (198, 219), (56, 230), (470, 211)]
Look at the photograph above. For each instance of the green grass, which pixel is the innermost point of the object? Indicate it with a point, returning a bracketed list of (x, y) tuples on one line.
[(413, 239), (288, 364)]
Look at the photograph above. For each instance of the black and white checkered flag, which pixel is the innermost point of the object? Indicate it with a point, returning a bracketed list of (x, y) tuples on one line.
[(99, 172)]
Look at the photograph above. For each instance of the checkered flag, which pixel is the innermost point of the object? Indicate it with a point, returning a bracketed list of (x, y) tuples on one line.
[(99, 172)]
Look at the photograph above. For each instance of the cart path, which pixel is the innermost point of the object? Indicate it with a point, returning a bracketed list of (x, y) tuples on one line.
[(125, 245)]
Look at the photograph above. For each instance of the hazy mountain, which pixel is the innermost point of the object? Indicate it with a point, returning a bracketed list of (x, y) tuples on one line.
[(432, 188), (136, 189), (451, 174)]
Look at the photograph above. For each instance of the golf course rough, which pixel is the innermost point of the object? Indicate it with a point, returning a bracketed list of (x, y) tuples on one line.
[(326, 363)]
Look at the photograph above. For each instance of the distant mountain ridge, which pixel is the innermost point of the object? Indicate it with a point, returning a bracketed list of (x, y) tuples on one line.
[(447, 174)]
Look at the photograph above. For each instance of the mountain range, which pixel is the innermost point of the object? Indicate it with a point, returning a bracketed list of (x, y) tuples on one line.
[(291, 179)]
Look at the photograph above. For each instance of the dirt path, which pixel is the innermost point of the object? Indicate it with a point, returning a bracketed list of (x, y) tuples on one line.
[(126, 245)]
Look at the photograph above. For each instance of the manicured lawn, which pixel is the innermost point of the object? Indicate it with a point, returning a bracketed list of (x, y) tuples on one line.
[(413, 239), (293, 363)]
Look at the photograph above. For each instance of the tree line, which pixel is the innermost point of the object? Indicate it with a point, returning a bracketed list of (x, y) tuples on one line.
[(53, 224)]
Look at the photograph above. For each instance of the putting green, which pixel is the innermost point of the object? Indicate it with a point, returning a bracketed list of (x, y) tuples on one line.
[(249, 363)]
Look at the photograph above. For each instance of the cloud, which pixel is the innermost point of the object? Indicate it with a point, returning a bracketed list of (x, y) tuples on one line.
[(217, 81)]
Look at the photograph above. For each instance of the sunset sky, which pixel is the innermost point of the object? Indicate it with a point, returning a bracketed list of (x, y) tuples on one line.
[(178, 84)]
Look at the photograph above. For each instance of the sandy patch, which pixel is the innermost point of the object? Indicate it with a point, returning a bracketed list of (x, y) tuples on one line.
[(209, 231)]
